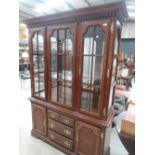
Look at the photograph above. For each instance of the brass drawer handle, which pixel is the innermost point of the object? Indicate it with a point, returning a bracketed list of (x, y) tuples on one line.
[(66, 121), (44, 122), (67, 132), (102, 135), (52, 136), (52, 115), (52, 125), (67, 144)]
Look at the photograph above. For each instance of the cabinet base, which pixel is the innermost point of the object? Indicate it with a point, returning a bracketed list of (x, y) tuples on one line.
[(45, 139)]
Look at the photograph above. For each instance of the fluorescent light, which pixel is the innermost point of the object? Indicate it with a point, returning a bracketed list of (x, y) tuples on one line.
[(132, 7), (131, 14), (42, 8), (54, 4)]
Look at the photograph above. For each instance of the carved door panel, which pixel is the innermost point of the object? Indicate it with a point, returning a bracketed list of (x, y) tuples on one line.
[(87, 139), (39, 119)]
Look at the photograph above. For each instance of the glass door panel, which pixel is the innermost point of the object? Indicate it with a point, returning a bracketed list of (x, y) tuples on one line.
[(38, 64), (68, 95), (97, 70), (40, 44), (61, 41), (60, 94), (87, 61), (54, 93), (93, 55), (69, 41), (88, 40), (35, 63), (61, 66), (54, 62), (34, 43), (36, 84), (54, 43), (98, 41), (41, 63)]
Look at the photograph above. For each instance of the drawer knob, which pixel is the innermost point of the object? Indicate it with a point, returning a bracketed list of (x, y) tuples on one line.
[(67, 132), (52, 125), (67, 144)]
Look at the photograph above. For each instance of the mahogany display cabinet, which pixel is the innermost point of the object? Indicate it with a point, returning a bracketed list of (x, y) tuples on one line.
[(73, 61)]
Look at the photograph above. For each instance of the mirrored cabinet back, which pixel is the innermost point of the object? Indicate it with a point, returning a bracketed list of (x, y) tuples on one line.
[(73, 64)]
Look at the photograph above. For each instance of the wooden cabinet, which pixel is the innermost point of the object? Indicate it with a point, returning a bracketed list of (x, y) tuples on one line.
[(73, 61), (87, 139), (39, 119)]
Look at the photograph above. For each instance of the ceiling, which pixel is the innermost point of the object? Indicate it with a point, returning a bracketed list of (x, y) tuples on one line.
[(36, 8)]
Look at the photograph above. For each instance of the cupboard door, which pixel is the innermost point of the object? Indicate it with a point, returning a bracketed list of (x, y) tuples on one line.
[(87, 139), (93, 58), (37, 59), (61, 51), (39, 119)]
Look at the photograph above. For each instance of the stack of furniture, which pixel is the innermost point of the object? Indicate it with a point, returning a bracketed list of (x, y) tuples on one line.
[(73, 62), (125, 126)]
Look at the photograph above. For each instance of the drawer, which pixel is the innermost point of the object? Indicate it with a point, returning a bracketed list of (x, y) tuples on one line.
[(60, 128), (53, 115), (65, 142), (66, 120)]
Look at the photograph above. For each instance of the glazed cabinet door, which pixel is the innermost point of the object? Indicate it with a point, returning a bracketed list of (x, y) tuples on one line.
[(37, 62), (61, 57), (94, 44), (39, 119), (87, 139)]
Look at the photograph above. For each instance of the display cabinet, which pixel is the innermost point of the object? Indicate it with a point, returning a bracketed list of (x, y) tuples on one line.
[(73, 63)]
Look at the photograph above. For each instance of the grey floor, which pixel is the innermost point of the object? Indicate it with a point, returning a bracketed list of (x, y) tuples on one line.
[(33, 146)]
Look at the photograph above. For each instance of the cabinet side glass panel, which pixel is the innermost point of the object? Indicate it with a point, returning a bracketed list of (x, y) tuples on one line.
[(114, 65), (92, 68)]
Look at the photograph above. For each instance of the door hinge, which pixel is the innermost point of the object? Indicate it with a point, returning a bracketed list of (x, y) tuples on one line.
[(108, 73), (112, 28), (101, 135), (104, 111)]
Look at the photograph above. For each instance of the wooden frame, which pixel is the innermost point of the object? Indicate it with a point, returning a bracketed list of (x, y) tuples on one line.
[(63, 124)]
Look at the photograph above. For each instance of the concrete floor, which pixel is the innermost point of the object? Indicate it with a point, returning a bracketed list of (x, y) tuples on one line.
[(33, 146)]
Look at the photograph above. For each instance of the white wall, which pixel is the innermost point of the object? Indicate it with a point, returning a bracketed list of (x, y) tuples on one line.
[(128, 30)]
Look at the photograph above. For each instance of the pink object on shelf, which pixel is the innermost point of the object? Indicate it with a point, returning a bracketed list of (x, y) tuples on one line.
[(120, 87), (123, 93)]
